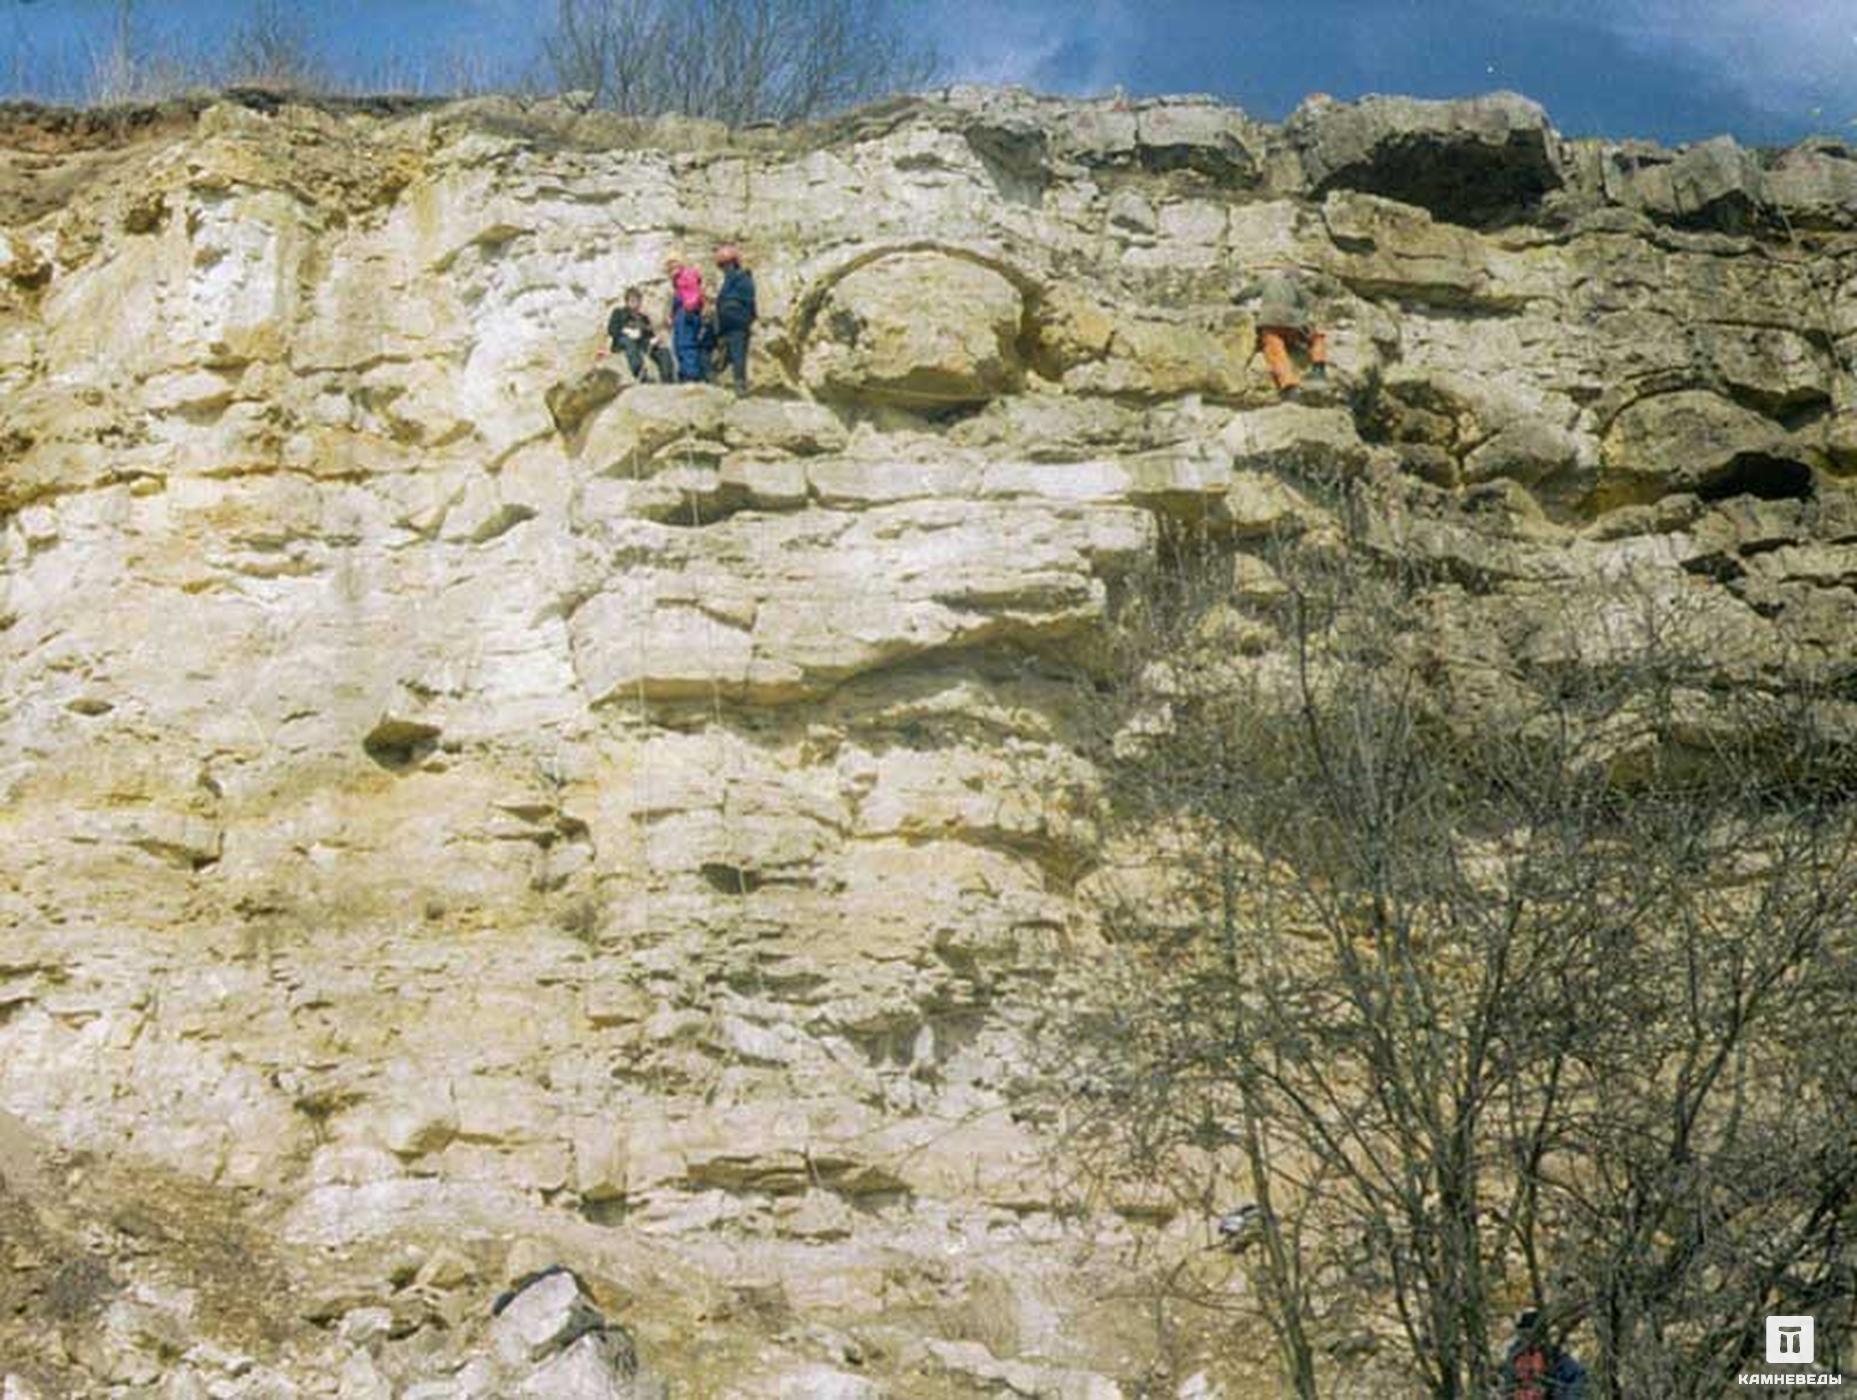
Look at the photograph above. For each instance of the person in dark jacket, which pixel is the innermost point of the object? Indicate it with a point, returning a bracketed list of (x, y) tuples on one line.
[(632, 335), (1533, 1368), (735, 312)]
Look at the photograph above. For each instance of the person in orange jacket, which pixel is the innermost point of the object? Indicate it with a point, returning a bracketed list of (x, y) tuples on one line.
[(1286, 321)]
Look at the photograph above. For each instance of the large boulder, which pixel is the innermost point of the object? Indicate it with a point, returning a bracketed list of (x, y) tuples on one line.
[(1550, 460), (1149, 358), (1775, 369), (1476, 161), (571, 400), (1713, 184), (1695, 441), (552, 1343), (1089, 350), (921, 330), (626, 438), (1199, 134), (1038, 137), (1098, 133), (782, 425), (1815, 184), (1296, 440), (599, 1366), (1391, 249), (543, 1315)]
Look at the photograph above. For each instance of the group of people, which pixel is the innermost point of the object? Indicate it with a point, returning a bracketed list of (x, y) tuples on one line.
[(700, 337)]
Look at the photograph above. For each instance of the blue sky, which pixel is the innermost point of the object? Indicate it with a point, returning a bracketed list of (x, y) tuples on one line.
[(1764, 70)]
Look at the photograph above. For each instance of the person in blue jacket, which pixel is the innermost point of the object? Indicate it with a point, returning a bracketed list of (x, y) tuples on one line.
[(693, 339), (735, 312), (1533, 1368)]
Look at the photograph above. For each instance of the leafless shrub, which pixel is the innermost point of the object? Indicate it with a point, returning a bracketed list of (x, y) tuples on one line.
[(1541, 997), (733, 60), (118, 70), (272, 45)]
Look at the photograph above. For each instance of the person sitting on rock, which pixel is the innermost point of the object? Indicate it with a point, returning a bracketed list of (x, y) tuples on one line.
[(735, 312), (632, 335), (1286, 320), (691, 337)]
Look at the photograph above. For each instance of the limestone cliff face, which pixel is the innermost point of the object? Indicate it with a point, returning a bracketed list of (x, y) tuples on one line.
[(458, 814)]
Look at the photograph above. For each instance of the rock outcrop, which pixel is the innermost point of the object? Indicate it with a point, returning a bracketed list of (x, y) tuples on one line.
[(1479, 161), (463, 813)]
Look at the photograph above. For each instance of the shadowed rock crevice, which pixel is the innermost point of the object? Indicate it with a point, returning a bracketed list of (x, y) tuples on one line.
[(398, 744), (1761, 475), (1487, 187), (1480, 162)]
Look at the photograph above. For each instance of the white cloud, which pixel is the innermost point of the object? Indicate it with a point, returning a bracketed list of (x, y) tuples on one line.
[(1036, 44), (1784, 56), (1795, 60), (989, 46)]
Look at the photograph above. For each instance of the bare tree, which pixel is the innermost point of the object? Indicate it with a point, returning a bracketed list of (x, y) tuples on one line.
[(272, 45), (733, 60), (114, 70), (1485, 988), (127, 64)]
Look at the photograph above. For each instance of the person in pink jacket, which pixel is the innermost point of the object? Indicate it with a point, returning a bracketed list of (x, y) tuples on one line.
[(687, 283), (690, 333)]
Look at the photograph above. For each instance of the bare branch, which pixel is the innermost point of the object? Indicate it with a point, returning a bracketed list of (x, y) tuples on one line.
[(732, 60)]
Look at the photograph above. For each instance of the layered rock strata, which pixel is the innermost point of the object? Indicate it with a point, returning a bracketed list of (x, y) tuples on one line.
[(460, 817)]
